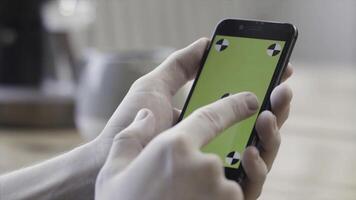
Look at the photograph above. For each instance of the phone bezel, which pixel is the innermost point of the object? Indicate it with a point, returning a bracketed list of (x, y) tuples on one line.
[(258, 30)]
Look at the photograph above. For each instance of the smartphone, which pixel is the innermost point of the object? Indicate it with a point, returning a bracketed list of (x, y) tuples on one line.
[(243, 55)]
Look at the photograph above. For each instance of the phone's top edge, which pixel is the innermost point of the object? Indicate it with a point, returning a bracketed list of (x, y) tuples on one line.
[(292, 26), (256, 21), (296, 31)]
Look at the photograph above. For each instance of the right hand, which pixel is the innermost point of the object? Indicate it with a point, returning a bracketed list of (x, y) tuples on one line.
[(172, 166)]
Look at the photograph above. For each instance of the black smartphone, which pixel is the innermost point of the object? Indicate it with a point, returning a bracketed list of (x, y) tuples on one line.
[(243, 55)]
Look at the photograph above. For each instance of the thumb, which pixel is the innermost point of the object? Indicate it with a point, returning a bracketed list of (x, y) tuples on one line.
[(181, 66), (128, 144)]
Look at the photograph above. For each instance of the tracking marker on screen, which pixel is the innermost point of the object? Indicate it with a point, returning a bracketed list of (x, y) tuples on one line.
[(274, 49), (221, 45)]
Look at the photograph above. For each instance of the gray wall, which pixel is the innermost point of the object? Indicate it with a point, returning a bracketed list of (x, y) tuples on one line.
[(327, 27)]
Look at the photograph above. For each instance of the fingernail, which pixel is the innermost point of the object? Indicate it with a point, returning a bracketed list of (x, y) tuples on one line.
[(252, 102), (143, 113)]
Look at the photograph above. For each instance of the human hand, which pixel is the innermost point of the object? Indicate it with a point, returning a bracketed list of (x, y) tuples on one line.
[(258, 163), (155, 91), (172, 165), (76, 171)]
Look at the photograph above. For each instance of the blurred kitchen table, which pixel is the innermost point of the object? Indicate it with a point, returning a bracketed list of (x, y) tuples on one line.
[(316, 159)]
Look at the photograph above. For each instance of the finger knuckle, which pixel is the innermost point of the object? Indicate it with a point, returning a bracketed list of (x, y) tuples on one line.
[(289, 92), (212, 118), (214, 159), (177, 144), (174, 151), (179, 63), (175, 57), (126, 134), (232, 190), (254, 192), (240, 108), (213, 166), (275, 139), (262, 177), (139, 82)]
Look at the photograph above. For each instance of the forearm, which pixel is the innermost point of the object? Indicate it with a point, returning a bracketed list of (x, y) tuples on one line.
[(68, 176)]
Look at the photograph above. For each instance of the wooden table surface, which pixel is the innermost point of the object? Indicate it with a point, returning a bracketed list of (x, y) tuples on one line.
[(317, 156)]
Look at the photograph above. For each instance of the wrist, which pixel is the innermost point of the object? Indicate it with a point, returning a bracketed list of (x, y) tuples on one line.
[(63, 177), (98, 150)]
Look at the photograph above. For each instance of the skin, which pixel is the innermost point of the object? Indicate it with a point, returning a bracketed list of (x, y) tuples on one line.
[(172, 165), (185, 63), (76, 171)]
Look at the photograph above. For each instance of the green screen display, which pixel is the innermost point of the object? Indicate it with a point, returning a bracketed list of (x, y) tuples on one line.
[(235, 64)]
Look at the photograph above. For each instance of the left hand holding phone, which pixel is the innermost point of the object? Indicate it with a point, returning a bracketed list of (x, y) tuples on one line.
[(154, 92), (149, 92)]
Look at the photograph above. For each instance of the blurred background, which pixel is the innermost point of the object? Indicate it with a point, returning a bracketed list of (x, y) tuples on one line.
[(65, 65)]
